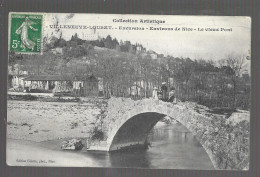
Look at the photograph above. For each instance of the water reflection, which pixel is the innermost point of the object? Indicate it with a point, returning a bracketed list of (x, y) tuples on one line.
[(172, 147), (134, 158)]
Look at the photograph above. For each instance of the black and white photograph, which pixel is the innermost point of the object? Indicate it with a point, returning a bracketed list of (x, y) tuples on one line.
[(129, 91)]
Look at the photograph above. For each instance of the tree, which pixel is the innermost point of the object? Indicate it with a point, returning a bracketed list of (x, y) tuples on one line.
[(183, 74), (108, 42), (126, 46), (75, 51), (235, 63), (13, 57), (61, 43), (76, 39), (115, 43)]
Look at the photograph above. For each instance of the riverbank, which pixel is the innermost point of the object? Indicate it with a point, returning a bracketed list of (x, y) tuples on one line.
[(28, 153), (170, 149), (39, 121), (42, 121), (48, 120)]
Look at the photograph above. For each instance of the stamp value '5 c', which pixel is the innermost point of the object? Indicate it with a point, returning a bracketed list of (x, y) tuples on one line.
[(25, 33)]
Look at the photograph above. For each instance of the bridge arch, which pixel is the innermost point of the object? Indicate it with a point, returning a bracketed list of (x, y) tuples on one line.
[(133, 126), (135, 130), (224, 151)]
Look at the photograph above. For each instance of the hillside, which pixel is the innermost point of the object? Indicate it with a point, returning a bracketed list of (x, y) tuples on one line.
[(125, 66), (55, 64)]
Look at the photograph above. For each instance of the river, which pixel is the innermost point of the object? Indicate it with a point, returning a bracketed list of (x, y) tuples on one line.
[(172, 147)]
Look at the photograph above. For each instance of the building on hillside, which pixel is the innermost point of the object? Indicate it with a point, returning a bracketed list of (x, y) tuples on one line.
[(245, 75), (139, 48), (153, 54), (90, 35), (244, 83), (16, 76), (149, 53), (74, 85), (246, 68), (17, 80), (57, 51), (51, 83), (85, 85), (90, 86)]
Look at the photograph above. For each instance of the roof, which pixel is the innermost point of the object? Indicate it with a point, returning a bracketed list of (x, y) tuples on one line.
[(89, 78), (48, 78)]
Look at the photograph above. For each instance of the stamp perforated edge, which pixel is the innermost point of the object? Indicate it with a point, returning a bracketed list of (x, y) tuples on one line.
[(42, 31)]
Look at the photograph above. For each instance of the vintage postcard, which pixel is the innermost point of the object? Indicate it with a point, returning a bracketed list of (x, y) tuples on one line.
[(129, 91)]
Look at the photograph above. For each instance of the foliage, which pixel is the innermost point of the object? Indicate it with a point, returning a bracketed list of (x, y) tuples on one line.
[(121, 67), (13, 57)]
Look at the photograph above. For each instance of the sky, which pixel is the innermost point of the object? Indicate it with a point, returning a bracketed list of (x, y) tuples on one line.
[(213, 45)]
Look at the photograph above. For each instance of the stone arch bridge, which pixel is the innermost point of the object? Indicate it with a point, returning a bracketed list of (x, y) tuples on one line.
[(128, 123)]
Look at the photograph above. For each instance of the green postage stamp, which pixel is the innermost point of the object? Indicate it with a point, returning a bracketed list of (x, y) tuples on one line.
[(25, 33)]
